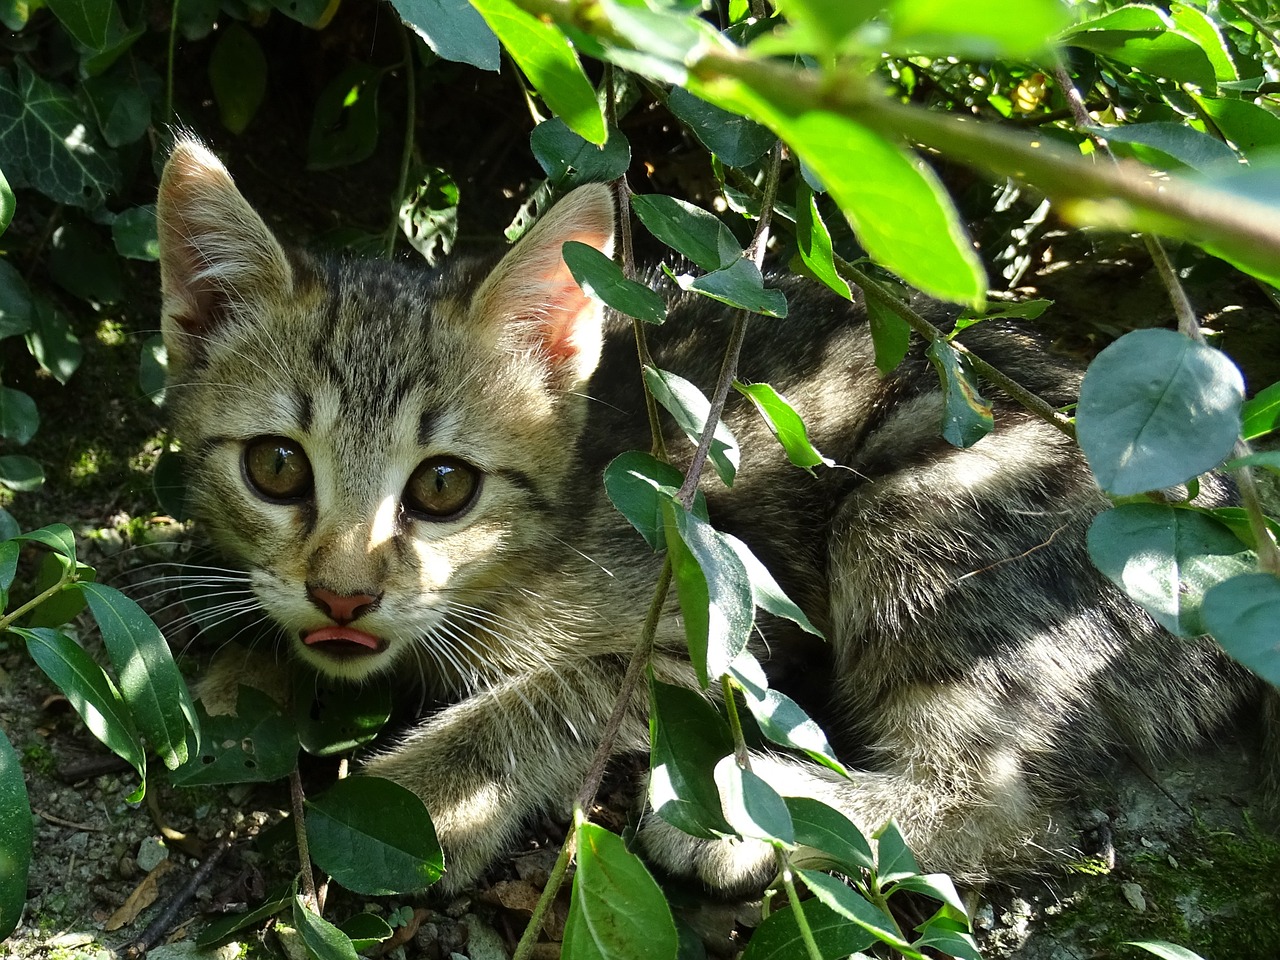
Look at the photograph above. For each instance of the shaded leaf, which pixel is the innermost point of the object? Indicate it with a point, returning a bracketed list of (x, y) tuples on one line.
[(216, 931), (736, 140), (238, 75), (687, 229), (570, 160), (1185, 145), (687, 738), (333, 717), (121, 102), (429, 215), (16, 309), (56, 536), (322, 939), (894, 859), (690, 409), (20, 473), (16, 837), (1156, 408), (966, 415), (65, 604), (256, 744), (153, 370), (98, 27), (344, 126), (741, 285), (617, 911), (53, 343), (82, 264), (638, 484), (453, 29), (366, 930), (1242, 614), (374, 836), (602, 279), (8, 203), (890, 336), (19, 418), (134, 233)]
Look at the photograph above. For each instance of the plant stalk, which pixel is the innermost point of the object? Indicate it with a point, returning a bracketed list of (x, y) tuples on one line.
[(309, 897), (67, 579), (802, 922)]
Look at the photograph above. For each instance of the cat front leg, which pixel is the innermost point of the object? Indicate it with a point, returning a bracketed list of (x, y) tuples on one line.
[(487, 765)]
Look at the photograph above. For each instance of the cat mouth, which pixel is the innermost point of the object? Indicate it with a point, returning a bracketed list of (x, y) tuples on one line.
[(344, 642)]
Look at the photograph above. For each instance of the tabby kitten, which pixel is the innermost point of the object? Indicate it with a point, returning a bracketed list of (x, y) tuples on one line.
[(409, 466)]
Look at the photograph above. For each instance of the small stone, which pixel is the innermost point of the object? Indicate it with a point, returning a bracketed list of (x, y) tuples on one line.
[(1172, 862), (150, 852), (483, 942), (1132, 892)]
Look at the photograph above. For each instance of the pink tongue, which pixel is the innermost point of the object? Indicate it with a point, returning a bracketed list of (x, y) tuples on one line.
[(342, 633)]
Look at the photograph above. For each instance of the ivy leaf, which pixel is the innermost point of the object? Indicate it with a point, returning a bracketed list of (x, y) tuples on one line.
[(1156, 409), (49, 144), (966, 416), (546, 57), (83, 265), (121, 102), (690, 408), (1242, 614), (90, 692), (687, 738), (453, 29), (52, 342), (134, 233), (99, 28), (617, 911), (16, 837), (602, 280), (374, 836)]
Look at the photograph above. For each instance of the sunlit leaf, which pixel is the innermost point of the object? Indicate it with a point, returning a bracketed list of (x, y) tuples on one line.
[(830, 832), (1146, 38), (687, 738), (741, 285), (966, 415), (323, 940), (843, 899), (16, 308), (1260, 414), (814, 241), (602, 279), (453, 29), (690, 409), (688, 229), (784, 423), (638, 484), (256, 744), (333, 717), (977, 29), (752, 807)]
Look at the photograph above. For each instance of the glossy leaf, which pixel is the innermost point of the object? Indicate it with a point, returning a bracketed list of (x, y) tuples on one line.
[(687, 737), (8, 526), (16, 309), (966, 415), (218, 930), (545, 56), (740, 285), (951, 943), (344, 126), (20, 473), (821, 828), (1250, 127), (894, 859), (840, 897), (45, 143), (813, 241), (617, 911), (1156, 408), (64, 605), (1260, 414), (366, 930), (53, 343), (687, 229), (333, 717), (638, 484), (19, 418), (9, 550), (714, 590), (1164, 950), (453, 29), (1194, 23), (779, 938), (1242, 614), (976, 29), (256, 744), (323, 940), (937, 886), (153, 369), (57, 537), (602, 279), (374, 836), (569, 160), (1146, 39), (8, 203), (784, 423), (91, 694), (690, 409), (238, 75), (783, 721), (15, 839), (1184, 145), (765, 591), (752, 807), (1166, 558), (736, 140), (149, 679)]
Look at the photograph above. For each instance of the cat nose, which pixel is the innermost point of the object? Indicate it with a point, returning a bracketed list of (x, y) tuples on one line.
[(342, 608)]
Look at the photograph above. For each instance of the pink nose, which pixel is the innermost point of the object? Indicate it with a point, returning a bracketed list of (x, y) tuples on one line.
[(342, 608)]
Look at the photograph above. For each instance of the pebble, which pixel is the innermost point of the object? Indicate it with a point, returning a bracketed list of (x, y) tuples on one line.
[(150, 852), (1132, 892)]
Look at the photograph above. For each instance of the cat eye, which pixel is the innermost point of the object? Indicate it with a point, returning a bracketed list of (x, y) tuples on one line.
[(277, 468), (441, 487)]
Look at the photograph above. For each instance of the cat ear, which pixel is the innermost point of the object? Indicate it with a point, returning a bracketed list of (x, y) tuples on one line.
[(531, 300), (215, 251)]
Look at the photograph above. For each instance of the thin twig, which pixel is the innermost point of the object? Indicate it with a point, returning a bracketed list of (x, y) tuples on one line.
[(529, 938), (164, 920), (304, 850), (406, 154)]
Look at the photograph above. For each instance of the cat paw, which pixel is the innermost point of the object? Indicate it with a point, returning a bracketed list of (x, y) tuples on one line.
[(731, 865)]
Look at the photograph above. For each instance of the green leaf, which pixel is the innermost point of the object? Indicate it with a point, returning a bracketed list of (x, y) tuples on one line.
[(121, 102), (19, 418), (569, 160), (429, 215), (1163, 950), (1145, 38), (897, 207), (1261, 414), (1025, 310), (714, 591), (687, 737), (843, 899), (1269, 459), (752, 807), (62, 606), (894, 859), (56, 536), (238, 75), (813, 241), (602, 280), (366, 930), (311, 13), (741, 285), (153, 369), (1195, 24), (16, 838), (638, 484), (216, 931), (48, 143), (9, 550), (951, 943), (545, 56), (98, 27), (737, 141), (453, 30), (690, 409), (1156, 408), (939, 887), (90, 692), (134, 233), (9, 528), (344, 126), (334, 717), (831, 833), (977, 29), (322, 939), (765, 591), (689, 230), (1166, 558), (890, 335), (784, 423), (1242, 614), (617, 911), (8, 203), (1184, 145), (16, 309), (51, 341), (778, 938), (256, 744), (783, 721), (1250, 127), (84, 265), (20, 473), (169, 485), (149, 679), (966, 416), (374, 836)]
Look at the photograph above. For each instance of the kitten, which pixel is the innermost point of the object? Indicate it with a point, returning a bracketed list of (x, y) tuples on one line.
[(409, 465)]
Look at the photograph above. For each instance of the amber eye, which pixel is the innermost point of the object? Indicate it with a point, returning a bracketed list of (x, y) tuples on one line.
[(277, 468), (441, 487)]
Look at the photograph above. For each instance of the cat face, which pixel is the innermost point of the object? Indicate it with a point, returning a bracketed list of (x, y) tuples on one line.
[(363, 436)]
